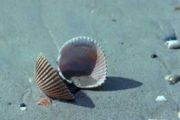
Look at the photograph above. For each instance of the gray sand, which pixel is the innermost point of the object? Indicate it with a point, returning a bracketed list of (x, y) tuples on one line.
[(129, 31)]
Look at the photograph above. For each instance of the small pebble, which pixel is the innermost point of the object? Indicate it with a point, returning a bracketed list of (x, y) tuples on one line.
[(154, 56), (172, 78), (9, 103), (114, 20), (177, 8), (122, 43), (173, 44), (161, 99), (23, 107)]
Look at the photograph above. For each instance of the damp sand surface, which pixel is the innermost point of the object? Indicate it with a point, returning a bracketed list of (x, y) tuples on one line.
[(132, 34)]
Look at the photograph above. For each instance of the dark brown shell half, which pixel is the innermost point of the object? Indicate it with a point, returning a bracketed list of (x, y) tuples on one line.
[(82, 61), (50, 82)]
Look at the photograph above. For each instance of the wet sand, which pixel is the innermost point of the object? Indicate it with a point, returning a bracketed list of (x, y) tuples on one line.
[(130, 32)]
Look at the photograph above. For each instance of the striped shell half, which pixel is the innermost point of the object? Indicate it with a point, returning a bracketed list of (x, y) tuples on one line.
[(50, 82), (82, 61)]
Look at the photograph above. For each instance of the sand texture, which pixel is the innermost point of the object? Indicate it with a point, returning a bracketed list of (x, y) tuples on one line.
[(129, 31)]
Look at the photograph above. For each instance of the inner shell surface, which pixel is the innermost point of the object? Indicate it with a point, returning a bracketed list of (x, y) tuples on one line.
[(78, 59)]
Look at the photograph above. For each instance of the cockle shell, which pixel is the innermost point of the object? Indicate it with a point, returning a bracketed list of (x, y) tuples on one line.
[(50, 82), (173, 44), (82, 61)]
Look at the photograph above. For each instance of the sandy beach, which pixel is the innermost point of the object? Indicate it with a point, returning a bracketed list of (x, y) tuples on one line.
[(130, 32)]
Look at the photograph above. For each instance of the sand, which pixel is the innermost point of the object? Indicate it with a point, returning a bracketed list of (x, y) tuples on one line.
[(129, 31)]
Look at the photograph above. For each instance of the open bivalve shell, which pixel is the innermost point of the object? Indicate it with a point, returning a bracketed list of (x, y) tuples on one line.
[(50, 82), (82, 61)]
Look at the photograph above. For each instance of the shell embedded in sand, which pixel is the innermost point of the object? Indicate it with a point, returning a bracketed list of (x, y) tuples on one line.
[(172, 79), (160, 99), (50, 82), (173, 44), (82, 62)]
